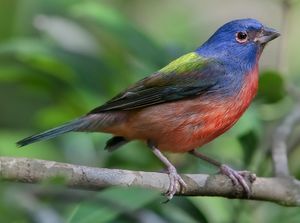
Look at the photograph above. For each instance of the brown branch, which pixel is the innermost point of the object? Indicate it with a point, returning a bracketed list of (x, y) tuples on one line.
[(284, 191)]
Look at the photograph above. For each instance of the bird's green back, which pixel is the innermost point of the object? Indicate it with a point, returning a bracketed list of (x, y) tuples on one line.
[(183, 77), (183, 64)]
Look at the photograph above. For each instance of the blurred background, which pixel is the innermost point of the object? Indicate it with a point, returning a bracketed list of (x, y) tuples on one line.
[(61, 58)]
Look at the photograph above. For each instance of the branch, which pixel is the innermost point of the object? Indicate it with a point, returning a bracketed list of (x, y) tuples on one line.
[(280, 138), (284, 191), (283, 43), (282, 63), (284, 130)]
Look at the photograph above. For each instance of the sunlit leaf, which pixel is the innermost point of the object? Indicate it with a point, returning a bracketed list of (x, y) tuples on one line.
[(37, 55), (121, 29)]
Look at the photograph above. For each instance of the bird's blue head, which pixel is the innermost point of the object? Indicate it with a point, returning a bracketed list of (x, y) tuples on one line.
[(239, 41)]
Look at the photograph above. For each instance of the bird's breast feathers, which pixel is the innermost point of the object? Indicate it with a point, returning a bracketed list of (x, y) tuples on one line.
[(184, 125)]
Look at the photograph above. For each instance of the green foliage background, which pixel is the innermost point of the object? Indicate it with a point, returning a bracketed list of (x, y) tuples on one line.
[(61, 58)]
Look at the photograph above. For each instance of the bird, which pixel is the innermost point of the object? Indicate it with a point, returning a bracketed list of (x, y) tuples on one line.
[(186, 104)]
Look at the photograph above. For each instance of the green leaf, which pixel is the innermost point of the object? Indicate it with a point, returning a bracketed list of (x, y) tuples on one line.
[(215, 209), (120, 30), (250, 120), (186, 205), (39, 56), (115, 201), (271, 87), (249, 142)]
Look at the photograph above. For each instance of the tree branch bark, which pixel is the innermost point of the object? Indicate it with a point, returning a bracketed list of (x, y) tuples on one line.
[(284, 190)]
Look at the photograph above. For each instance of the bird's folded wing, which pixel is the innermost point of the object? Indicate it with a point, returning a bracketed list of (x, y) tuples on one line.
[(188, 76)]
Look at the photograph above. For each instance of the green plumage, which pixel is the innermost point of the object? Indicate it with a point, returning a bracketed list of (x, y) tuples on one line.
[(186, 63), (184, 77)]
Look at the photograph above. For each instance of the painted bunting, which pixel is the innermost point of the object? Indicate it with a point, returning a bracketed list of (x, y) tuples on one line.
[(187, 103)]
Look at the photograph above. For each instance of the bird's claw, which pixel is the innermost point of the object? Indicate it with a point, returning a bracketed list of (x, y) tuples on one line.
[(238, 177), (175, 179)]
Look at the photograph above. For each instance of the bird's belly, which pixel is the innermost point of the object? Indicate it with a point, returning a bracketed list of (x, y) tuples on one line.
[(183, 125), (198, 128)]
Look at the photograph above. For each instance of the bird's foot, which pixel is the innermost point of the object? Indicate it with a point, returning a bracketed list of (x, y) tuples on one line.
[(175, 179), (239, 177)]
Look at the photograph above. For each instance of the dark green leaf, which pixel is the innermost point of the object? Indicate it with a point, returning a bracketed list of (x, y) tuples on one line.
[(115, 202), (271, 87), (249, 142)]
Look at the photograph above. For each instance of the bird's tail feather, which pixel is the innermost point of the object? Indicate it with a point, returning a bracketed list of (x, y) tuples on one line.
[(74, 125)]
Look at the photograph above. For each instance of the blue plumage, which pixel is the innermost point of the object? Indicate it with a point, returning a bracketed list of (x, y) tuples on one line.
[(237, 59), (223, 46)]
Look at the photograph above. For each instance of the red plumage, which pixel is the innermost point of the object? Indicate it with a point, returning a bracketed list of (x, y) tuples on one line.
[(186, 104), (184, 125)]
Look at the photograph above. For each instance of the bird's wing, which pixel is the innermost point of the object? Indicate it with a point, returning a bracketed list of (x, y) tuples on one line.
[(187, 76)]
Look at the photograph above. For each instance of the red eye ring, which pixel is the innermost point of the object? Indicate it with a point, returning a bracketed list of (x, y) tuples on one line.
[(241, 37)]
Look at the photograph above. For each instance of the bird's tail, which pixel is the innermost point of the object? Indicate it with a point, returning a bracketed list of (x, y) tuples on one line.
[(74, 125)]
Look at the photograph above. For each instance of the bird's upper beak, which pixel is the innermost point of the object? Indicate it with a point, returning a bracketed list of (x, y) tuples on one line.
[(266, 35)]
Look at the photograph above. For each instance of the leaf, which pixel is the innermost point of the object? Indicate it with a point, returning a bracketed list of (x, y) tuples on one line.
[(178, 214), (190, 208), (215, 209), (249, 142), (250, 120), (271, 87), (38, 56), (120, 29), (115, 202)]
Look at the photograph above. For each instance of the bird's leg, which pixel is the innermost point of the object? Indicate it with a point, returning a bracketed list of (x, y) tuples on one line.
[(237, 177), (174, 177)]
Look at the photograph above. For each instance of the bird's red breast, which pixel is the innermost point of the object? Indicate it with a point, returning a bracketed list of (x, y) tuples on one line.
[(184, 125)]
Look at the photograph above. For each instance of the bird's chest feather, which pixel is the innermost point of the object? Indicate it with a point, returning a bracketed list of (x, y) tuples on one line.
[(220, 115), (186, 125)]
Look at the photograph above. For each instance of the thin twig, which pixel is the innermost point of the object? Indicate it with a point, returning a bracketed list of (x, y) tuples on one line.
[(285, 191), (283, 131), (38, 211), (280, 137), (281, 58), (293, 144)]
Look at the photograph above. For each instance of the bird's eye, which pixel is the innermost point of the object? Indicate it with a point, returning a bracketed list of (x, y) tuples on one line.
[(241, 37)]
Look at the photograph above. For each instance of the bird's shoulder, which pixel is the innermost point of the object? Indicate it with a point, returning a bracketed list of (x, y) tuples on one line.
[(185, 63)]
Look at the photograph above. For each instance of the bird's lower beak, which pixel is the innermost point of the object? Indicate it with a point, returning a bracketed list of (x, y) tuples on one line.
[(266, 35)]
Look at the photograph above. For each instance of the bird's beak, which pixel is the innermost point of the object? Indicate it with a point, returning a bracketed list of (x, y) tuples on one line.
[(266, 35)]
